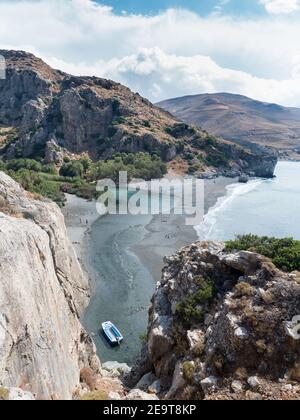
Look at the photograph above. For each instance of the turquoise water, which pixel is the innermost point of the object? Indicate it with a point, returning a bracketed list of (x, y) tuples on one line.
[(123, 286), (263, 207)]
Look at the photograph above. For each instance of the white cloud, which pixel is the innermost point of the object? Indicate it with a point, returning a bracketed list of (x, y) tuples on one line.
[(174, 53), (281, 6)]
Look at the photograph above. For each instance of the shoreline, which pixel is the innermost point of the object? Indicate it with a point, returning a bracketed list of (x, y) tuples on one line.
[(128, 274), (167, 234), (80, 215), (169, 231)]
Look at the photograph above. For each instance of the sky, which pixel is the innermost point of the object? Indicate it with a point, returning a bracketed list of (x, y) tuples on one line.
[(167, 48)]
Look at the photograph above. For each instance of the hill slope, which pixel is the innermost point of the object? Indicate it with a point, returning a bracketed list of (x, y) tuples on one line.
[(240, 119), (47, 114)]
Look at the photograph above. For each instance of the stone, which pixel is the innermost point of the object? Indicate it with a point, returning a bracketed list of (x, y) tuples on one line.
[(138, 395), (146, 381), (254, 396), (155, 388), (254, 382), (292, 328), (114, 396), (237, 386), (17, 394), (208, 383), (241, 333), (116, 369)]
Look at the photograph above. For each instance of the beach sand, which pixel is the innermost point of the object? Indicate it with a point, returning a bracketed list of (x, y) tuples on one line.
[(123, 257), (169, 233), (166, 234), (80, 215)]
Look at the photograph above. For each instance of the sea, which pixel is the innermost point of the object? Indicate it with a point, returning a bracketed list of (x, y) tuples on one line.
[(124, 286), (263, 207)]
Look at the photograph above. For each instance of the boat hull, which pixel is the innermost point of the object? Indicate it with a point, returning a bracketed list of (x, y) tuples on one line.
[(112, 334)]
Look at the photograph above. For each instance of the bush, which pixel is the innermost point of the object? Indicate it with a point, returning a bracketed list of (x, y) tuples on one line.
[(194, 168), (188, 371), (190, 311), (244, 289), (72, 169), (284, 253), (30, 164), (140, 165)]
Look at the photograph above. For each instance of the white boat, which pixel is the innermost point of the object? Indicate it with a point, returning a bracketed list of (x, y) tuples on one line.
[(112, 333)]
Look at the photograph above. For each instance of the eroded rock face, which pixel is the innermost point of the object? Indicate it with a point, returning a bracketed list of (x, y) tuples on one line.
[(232, 342), (53, 114), (42, 295)]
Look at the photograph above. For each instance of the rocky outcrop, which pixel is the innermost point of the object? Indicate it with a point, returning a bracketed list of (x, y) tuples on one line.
[(52, 114), (43, 292), (223, 326)]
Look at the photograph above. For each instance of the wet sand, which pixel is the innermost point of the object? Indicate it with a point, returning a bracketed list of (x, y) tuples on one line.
[(167, 234), (123, 257)]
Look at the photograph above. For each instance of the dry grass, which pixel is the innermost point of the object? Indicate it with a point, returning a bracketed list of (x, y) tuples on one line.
[(4, 394), (95, 396)]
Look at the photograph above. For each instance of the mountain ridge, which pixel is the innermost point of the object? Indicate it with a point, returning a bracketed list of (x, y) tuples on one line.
[(240, 119), (48, 114)]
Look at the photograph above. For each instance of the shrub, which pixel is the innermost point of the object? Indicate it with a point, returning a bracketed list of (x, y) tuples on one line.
[(188, 371), (147, 124), (244, 289), (30, 164), (284, 253), (190, 310), (72, 169), (193, 168)]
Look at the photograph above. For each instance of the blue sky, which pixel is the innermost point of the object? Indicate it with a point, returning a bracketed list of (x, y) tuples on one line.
[(166, 48), (202, 7)]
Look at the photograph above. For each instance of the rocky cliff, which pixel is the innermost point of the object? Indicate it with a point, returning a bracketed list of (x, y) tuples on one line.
[(223, 326), (43, 291), (47, 114)]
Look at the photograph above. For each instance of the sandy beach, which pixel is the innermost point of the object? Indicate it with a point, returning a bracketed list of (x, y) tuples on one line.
[(123, 257), (167, 234), (80, 215)]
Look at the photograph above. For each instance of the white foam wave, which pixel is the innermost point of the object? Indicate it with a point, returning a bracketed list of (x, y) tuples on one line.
[(206, 230)]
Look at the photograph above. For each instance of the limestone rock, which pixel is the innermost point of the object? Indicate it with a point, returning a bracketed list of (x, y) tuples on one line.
[(146, 381), (254, 382), (17, 394), (246, 335), (115, 369), (42, 295), (208, 383), (138, 395)]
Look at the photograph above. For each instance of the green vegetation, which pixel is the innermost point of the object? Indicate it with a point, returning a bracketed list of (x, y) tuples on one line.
[(284, 253), (72, 169), (79, 176), (190, 311), (188, 371), (140, 165), (179, 130), (193, 168)]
